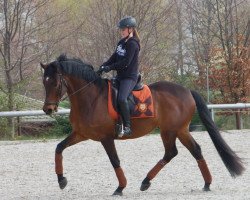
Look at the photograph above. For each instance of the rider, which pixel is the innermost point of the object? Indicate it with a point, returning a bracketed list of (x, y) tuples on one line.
[(125, 61)]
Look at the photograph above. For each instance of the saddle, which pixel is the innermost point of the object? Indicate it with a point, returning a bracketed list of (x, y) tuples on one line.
[(140, 100)]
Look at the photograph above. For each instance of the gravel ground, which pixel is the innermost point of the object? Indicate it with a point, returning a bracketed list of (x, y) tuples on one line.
[(27, 170)]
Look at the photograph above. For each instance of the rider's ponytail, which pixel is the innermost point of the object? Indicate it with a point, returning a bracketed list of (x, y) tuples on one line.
[(136, 35)]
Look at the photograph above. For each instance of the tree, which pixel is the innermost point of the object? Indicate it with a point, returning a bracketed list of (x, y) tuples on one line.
[(96, 39), (231, 56), (220, 39), (21, 33), (220, 36)]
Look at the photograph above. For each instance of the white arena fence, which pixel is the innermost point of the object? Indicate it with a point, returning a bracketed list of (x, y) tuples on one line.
[(212, 107), (39, 116)]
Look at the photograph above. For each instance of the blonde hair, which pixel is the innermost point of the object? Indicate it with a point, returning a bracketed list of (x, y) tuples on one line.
[(136, 35)]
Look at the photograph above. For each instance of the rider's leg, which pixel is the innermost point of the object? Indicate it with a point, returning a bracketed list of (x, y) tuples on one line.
[(125, 88)]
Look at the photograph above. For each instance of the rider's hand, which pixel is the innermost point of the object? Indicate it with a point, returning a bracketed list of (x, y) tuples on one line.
[(103, 69), (106, 68)]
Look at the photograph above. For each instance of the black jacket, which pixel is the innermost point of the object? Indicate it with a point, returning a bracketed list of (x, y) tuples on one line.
[(125, 59)]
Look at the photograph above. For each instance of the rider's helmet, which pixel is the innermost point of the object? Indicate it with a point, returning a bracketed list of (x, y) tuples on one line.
[(127, 22)]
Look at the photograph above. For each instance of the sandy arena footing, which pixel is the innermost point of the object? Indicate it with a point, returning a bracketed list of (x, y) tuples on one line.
[(27, 170)]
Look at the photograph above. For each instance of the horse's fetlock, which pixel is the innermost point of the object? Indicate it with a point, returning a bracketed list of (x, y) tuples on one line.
[(59, 148)]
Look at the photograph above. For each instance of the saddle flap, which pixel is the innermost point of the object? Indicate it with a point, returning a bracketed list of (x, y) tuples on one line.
[(140, 102)]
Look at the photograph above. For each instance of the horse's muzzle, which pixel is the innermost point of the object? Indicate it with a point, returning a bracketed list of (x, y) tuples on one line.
[(49, 109)]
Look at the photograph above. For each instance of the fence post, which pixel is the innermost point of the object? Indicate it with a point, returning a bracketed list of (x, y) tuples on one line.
[(238, 120), (12, 123), (212, 114), (19, 130)]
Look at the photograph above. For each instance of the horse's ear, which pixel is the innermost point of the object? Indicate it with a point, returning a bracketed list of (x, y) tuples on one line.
[(43, 66)]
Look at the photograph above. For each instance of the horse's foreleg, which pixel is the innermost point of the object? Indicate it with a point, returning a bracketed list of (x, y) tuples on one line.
[(72, 139), (109, 146), (188, 141), (170, 152)]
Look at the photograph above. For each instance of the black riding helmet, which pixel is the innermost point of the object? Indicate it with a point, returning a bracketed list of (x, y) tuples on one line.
[(127, 22)]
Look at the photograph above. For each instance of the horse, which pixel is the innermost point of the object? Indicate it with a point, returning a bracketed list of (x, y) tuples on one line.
[(174, 108)]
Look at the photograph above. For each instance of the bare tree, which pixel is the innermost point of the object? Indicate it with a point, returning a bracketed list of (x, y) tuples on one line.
[(220, 38), (97, 38), (23, 42), (14, 19)]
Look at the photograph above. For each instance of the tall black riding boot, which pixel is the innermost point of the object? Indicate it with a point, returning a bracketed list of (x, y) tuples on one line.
[(125, 113)]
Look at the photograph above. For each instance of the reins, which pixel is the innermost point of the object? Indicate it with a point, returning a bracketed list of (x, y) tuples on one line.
[(82, 88), (62, 81)]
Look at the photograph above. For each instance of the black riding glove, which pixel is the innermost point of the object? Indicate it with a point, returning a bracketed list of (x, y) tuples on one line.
[(104, 69)]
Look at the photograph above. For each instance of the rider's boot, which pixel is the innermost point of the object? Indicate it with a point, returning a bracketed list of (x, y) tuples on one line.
[(125, 113)]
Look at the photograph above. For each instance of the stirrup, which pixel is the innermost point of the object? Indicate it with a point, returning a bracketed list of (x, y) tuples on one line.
[(127, 131), (121, 130), (118, 129)]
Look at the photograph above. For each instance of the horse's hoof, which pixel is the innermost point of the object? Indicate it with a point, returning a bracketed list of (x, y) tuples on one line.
[(145, 186), (206, 187), (118, 192), (62, 183)]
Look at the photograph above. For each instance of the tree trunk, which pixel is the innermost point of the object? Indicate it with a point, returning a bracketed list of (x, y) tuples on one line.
[(180, 39), (7, 66)]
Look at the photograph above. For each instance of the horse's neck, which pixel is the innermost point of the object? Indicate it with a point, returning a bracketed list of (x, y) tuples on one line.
[(83, 96)]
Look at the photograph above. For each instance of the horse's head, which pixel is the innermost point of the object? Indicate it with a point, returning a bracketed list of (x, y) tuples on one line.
[(53, 84), (56, 86)]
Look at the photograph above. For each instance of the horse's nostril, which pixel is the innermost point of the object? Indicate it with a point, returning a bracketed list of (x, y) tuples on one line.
[(49, 111)]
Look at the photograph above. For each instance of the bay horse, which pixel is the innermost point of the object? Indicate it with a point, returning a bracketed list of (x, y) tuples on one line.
[(174, 109)]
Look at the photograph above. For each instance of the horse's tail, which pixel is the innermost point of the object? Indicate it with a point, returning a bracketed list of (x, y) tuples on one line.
[(229, 157)]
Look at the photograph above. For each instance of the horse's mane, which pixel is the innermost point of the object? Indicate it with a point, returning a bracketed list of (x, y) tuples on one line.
[(78, 68)]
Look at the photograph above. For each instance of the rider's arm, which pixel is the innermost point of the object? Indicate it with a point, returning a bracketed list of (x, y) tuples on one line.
[(110, 61), (123, 63)]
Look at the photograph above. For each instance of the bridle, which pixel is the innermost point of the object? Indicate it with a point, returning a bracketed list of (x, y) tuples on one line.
[(59, 90), (63, 82)]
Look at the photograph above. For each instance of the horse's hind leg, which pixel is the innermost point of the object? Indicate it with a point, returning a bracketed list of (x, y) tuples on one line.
[(188, 141), (168, 139)]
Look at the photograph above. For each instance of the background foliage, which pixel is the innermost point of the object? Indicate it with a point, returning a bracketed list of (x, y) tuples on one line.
[(203, 45)]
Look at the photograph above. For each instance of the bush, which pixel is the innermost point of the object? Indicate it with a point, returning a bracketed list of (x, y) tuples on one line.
[(4, 129), (196, 123), (60, 128)]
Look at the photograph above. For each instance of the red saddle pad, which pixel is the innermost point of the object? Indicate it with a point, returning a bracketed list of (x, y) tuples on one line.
[(143, 108)]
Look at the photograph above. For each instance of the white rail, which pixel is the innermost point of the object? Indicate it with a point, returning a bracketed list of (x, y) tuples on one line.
[(31, 113), (229, 106), (67, 111)]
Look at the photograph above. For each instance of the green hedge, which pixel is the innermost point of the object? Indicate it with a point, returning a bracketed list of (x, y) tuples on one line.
[(61, 127)]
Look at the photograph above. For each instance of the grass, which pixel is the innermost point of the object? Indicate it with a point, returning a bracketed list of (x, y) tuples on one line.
[(42, 137), (228, 122)]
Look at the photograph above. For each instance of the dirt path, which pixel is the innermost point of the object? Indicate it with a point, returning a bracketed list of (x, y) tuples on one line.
[(27, 170)]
